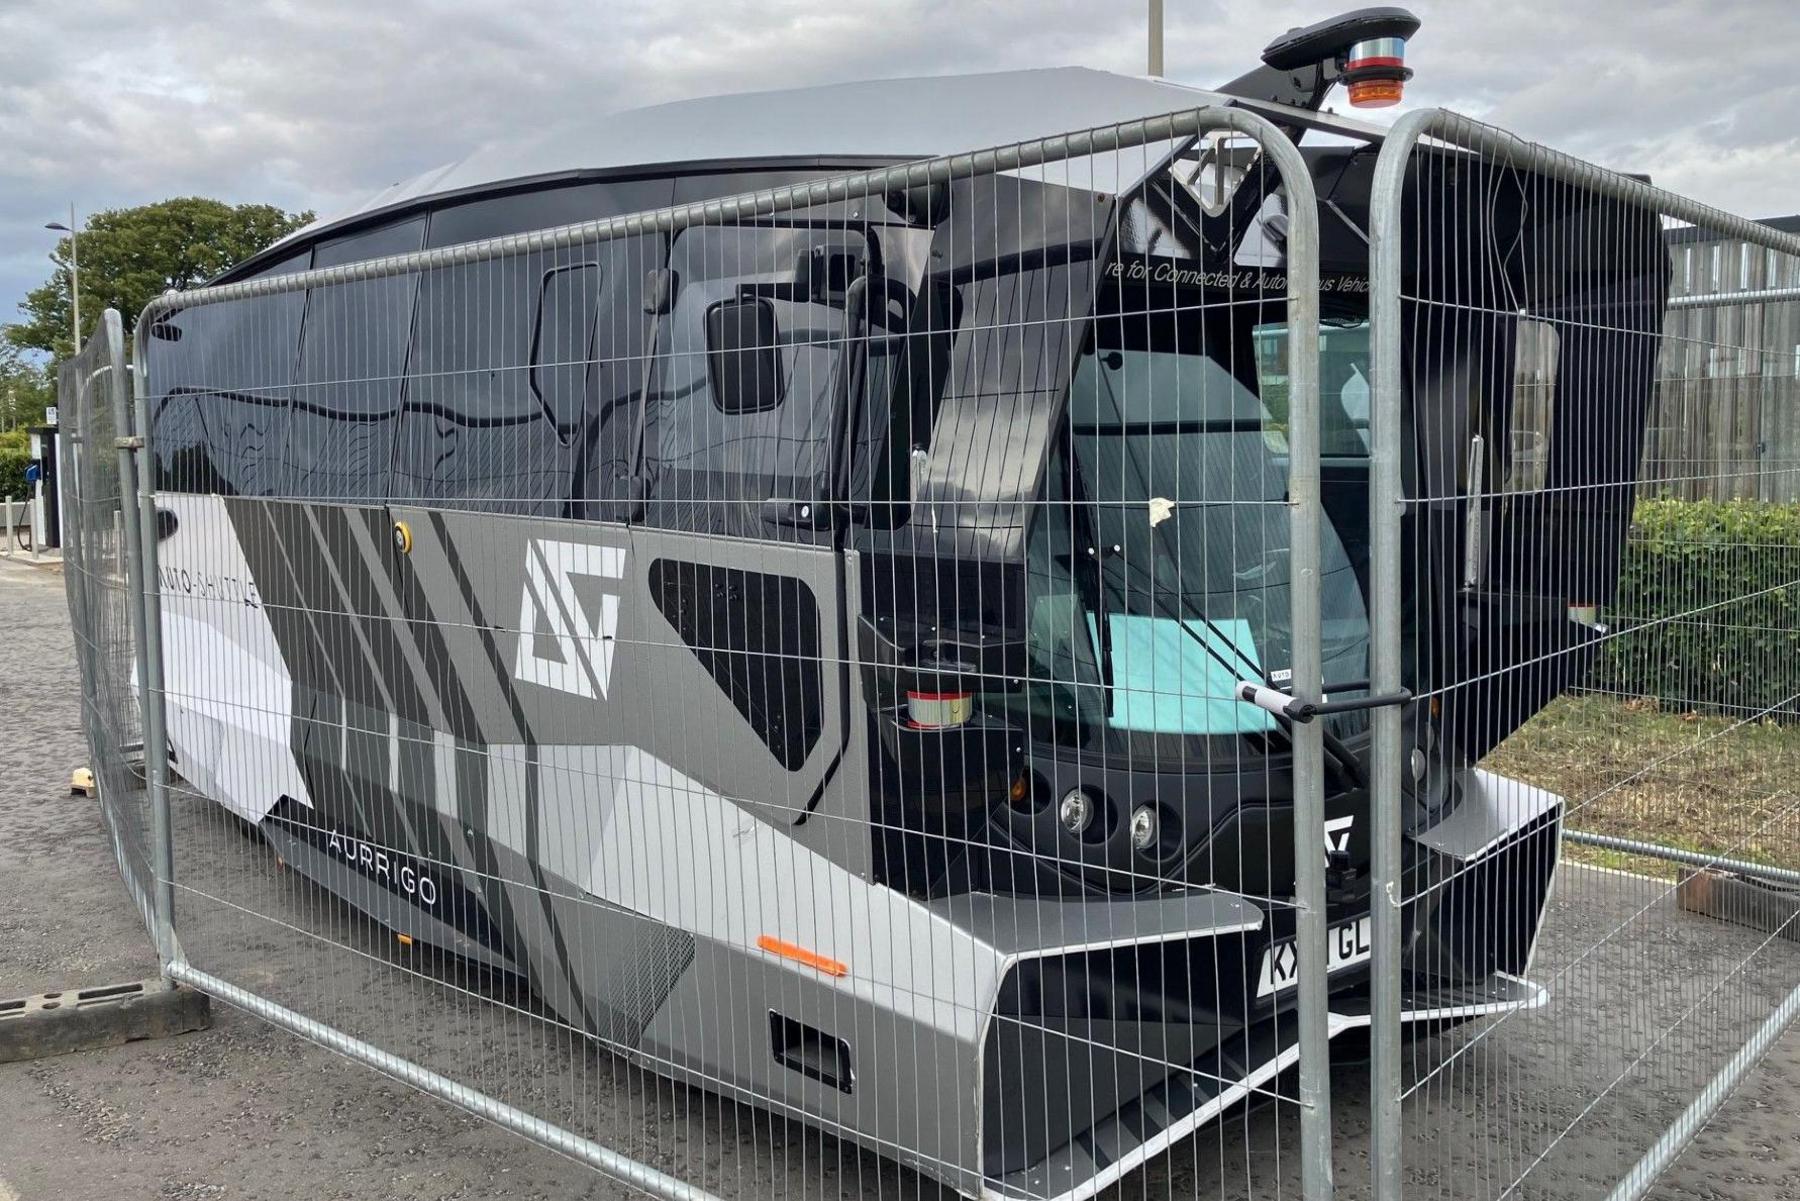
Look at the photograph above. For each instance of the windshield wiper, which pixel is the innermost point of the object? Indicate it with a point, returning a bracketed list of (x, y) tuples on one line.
[(1349, 766)]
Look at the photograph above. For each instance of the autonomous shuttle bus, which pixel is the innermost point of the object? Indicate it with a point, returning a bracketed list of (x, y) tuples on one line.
[(806, 649)]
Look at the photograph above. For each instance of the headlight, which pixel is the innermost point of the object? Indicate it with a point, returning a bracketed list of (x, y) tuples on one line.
[(1076, 811), (1143, 827)]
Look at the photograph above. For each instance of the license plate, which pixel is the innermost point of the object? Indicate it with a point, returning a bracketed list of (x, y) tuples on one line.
[(1345, 946)]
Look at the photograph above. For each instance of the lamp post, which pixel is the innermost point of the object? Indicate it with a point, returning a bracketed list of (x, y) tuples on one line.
[(1156, 38), (74, 274)]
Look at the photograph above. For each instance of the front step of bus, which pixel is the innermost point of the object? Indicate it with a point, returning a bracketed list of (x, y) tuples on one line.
[(1097, 1060), (1042, 1049)]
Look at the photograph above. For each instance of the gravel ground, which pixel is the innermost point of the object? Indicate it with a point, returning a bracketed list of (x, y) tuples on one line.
[(244, 1111)]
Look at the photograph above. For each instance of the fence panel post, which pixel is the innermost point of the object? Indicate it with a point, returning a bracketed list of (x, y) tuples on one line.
[(1305, 518), (128, 442), (1386, 507), (156, 748), (1667, 367), (102, 579)]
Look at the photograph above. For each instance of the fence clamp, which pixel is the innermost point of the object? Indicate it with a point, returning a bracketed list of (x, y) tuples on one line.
[(1282, 705), (129, 442)]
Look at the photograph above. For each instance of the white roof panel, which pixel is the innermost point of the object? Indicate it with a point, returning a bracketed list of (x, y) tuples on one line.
[(888, 118)]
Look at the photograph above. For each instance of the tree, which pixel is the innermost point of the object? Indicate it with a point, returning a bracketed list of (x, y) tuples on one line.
[(25, 387), (130, 256)]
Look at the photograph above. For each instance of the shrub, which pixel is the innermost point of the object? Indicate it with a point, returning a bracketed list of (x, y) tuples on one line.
[(1707, 615), (15, 453)]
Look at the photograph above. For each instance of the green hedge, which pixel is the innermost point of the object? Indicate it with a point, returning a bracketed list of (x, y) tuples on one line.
[(15, 453), (1707, 615)]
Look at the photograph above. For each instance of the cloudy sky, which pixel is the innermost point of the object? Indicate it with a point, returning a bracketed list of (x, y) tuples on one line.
[(309, 104)]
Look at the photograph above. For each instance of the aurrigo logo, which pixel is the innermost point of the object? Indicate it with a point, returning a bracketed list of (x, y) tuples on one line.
[(567, 621)]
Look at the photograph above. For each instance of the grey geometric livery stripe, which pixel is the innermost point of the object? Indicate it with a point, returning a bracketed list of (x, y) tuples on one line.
[(576, 994), (315, 626)]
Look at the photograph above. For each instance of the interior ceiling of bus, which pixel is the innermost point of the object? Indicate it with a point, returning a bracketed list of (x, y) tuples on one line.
[(895, 119)]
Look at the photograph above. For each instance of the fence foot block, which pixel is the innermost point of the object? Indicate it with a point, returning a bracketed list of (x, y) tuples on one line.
[(60, 1023), (1742, 901), (81, 783)]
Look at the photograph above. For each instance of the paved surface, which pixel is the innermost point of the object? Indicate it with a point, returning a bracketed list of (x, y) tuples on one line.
[(244, 1111)]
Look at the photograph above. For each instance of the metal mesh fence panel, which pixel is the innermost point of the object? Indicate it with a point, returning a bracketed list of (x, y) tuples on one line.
[(1583, 512), (815, 690), (986, 675), (101, 557)]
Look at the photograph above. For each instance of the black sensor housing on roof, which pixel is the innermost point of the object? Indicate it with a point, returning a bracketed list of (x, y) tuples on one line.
[(1311, 45), (1302, 65)]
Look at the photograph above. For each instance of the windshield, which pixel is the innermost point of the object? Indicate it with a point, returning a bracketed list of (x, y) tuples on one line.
[(1158, 564)]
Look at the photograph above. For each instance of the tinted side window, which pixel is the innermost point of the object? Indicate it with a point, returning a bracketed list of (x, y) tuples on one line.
[(475, 429), (224, 375), (506, 357), (690, 188), (758, 317), (906, 362), (606, 450), (348, 384), (544, 208), (562, 344)]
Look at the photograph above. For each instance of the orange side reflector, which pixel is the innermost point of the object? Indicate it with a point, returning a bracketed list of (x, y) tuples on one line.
[(812, 959), (405, 939)]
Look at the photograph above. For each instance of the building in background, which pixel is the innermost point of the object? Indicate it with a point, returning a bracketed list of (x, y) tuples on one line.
[(1727, 419)]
